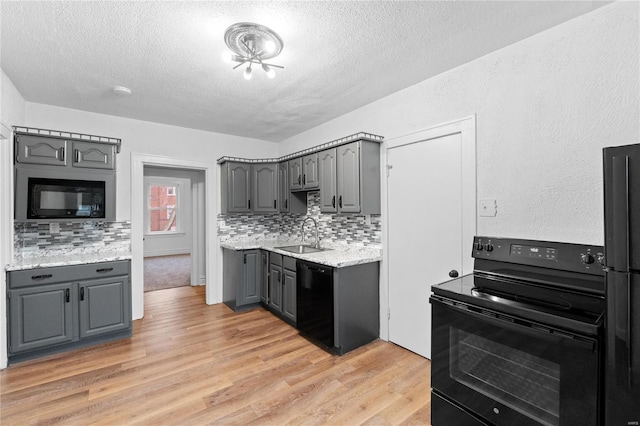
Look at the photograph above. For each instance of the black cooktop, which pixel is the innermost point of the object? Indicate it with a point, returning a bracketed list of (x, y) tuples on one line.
[(558, 284)]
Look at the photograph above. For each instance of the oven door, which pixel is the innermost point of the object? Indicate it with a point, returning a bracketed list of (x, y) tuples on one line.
[(507, 371)]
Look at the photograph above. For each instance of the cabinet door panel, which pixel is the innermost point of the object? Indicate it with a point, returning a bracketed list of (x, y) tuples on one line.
[(289, 295), (239, 188), (348, 178), (265, 188), (250, 287), (283, 187), (264, 277), (104, 306), (275, 288), (295, 174), (310, 172), (40, 317), (41, 150), (94, 156), (327, 174)]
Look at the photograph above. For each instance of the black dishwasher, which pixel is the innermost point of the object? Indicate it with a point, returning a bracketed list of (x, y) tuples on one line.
[(314, 298)]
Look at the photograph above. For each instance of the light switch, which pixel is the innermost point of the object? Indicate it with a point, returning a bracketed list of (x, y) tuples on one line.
[(54, 228), (488, 208)]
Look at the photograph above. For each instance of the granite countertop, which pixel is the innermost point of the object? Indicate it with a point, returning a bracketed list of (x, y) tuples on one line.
[(336, 255), (68, 259)]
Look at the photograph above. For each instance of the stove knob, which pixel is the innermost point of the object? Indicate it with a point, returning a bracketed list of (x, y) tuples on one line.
[(587, 258), (478, 246), (488, 247)]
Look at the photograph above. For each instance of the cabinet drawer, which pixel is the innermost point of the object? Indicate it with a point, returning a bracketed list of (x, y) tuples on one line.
[(289, 263), (42, 276), (276, 259)]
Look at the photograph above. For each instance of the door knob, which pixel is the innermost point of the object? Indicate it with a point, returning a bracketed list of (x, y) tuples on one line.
[(453, 273)]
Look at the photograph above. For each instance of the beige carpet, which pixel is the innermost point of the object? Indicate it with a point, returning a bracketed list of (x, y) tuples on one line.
[(167, 272)]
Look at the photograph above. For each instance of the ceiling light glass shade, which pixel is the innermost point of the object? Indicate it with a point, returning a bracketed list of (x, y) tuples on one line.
[(253, 44), (270, 72)]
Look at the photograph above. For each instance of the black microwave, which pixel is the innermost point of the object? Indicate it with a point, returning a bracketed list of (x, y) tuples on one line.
[(44, 195)]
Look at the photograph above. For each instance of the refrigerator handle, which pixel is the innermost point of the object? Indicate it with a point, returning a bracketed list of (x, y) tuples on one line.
[(620, 219), (628, 337)]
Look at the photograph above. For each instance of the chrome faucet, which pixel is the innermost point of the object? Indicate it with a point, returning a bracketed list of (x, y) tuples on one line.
[(315, 226)]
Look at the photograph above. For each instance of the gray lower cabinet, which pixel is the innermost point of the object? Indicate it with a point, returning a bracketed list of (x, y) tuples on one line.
[(264, 277), (289, 295), (55, 309), (40, 317), (282, 288), (241, 278), (104, 306)]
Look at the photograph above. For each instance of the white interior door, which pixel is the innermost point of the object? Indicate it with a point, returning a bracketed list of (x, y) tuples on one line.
[(425, 232)]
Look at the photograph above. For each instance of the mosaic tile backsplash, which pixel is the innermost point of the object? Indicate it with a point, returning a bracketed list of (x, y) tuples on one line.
[(334, 228), (33, 240)]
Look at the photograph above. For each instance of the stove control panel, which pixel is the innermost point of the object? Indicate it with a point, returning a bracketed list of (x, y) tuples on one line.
[(546, 254)]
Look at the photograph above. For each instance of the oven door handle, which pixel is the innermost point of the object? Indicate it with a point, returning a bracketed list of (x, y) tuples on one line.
[(508, 322)]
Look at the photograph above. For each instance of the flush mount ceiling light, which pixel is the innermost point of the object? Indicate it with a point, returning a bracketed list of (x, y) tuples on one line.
[(252, 44)]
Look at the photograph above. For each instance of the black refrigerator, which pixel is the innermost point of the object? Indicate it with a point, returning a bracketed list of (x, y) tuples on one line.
[(622, 260)]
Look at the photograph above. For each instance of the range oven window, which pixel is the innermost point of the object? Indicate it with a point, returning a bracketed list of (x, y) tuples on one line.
[(507, 370), (522, 381), (62, 198)]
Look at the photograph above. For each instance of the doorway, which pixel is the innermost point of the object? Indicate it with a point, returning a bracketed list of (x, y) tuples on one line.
[(431, 199), (205, 238), (172, 220)]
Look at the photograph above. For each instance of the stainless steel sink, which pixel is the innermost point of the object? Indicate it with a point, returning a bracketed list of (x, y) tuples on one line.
[(301, 249)]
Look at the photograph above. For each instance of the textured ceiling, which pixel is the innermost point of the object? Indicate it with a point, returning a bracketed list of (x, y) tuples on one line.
[(337, 55)]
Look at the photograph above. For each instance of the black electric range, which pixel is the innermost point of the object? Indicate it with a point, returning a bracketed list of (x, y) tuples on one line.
[(519, 340)]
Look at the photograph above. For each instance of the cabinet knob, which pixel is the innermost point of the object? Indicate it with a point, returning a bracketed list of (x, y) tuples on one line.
[(67, 295), (81, 293), (304, 179), (340, 202), (453, 273), (333, 201)]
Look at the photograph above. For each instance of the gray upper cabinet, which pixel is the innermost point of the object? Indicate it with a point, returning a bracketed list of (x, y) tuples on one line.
[(41, 150), (328, 186), (295, 174), (265, 187), (310, 179), (348, 168), (50, 151), (289, 202), (283, 187), (104, 306), (40, 316), (358, 178), (93, 155), (236, 187)]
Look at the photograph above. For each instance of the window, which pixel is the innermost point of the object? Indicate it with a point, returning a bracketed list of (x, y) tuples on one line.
[(162, 208)]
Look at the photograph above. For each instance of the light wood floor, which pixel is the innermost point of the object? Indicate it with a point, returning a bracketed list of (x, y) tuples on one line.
[(190, 364)]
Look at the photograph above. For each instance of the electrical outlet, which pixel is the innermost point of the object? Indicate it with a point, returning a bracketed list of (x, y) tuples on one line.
[(488, 208), (54, 228)]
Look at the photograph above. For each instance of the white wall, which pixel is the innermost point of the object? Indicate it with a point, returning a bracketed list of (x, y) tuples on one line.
[(12, 107), (544, 106)]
